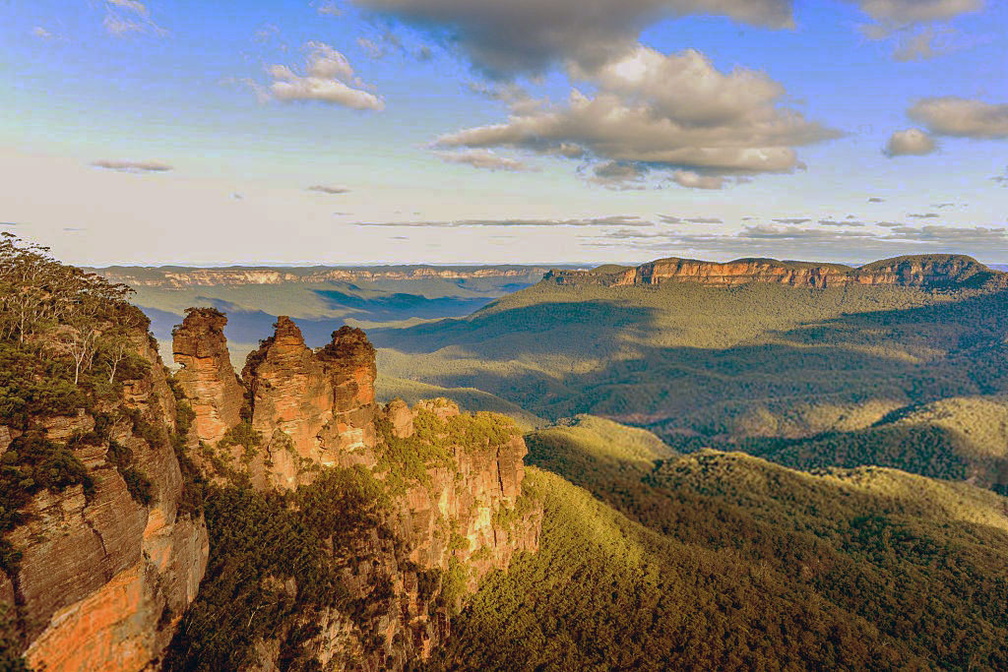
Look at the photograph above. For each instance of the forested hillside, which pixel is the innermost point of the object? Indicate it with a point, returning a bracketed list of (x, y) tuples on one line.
[(841, 375), (725, 561)]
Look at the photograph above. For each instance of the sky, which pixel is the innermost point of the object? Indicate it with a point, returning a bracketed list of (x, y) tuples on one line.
[(351, 132)]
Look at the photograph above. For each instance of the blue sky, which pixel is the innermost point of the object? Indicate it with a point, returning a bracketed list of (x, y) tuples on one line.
[(446, 131)]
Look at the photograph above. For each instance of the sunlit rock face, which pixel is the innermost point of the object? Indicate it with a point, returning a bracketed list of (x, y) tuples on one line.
[(924, 271), (103, 578), (207, 377)]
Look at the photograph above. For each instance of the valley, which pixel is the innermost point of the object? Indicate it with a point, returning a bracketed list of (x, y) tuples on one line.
[(751, 465)]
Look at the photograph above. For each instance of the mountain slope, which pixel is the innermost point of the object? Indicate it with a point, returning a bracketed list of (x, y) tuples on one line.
[(744, 565), (726, 362)]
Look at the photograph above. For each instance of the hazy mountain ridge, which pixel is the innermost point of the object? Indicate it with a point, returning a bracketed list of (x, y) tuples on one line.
[(176, 277)]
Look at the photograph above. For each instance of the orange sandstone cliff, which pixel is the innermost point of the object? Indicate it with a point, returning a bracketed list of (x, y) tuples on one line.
[(936, 271), (105, 573)]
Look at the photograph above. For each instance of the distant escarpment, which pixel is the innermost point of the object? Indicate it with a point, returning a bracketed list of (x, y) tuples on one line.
[(935, 271), (344, 534), (177, 277), (103, 540)]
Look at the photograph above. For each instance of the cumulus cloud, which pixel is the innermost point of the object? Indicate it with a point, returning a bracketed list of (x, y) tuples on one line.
[(962, 117), (328, 78), (704, 220), (528, 35), (923, 215), (485, 159), (42, 33), (674, 112), (911, 142), (332, 191), (137, 167), (616, 220), (1001, 179), (792, 221), (876, 199)]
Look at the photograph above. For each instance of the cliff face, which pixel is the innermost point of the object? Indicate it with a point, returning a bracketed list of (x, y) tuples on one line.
[(108, 567), (207, 377), (449, 485), (925, 271)]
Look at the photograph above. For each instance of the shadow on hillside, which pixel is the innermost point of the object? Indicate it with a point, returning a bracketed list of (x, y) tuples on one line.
[(592, 329), (907, 356)]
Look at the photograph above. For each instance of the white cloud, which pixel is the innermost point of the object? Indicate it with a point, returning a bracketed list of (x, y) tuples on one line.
[(42, 33), (486, 160), (673, 112), (692, 180), (962, 117), (328, 78), (911, 142)]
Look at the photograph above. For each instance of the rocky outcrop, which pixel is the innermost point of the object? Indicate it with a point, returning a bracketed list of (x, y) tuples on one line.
[(924, 271), (452, 508), (106, 568), (207, 377), (311, 409), (444, 530)]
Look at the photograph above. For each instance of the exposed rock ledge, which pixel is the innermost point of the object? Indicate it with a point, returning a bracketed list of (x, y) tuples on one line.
[(936, 271)]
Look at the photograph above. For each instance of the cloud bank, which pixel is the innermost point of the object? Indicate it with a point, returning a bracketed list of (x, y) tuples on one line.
[(675, 112)]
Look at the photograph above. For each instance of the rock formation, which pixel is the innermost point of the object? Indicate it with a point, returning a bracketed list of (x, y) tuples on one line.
[(924, 271), (454, 506), (104, 575), (207, 377)]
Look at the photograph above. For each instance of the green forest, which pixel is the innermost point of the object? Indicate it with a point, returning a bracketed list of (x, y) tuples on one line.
[(725, 561)]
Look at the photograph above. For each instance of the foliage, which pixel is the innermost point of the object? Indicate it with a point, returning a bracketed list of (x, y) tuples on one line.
[(688, 358), (137, 484), (731, 563), (10, 642), (407, 460), (31, 464), (243, 435), (277, 558)]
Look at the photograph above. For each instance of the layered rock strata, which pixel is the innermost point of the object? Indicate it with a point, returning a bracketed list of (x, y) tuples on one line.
[(925, 271), (104, 577), (207, 376)]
